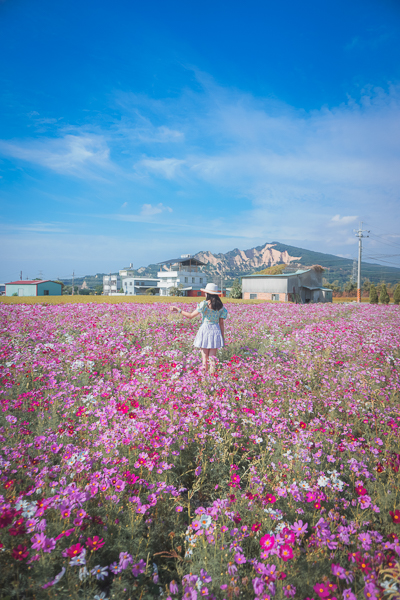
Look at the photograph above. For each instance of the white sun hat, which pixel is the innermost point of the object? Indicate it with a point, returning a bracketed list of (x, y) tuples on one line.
[(211, 288)]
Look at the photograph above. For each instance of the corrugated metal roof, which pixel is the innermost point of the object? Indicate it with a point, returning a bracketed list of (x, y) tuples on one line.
[(30, 282), (172, 261), (277, 275)]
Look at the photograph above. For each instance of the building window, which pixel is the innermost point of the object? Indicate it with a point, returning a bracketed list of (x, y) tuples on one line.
[(186, 279), (201, 280), (130, 283), (45, 292), (199, 293), (193, 279), (275, 297), (253, 296)]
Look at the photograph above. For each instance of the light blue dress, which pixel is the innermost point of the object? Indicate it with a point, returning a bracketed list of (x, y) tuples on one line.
[(209, 335)]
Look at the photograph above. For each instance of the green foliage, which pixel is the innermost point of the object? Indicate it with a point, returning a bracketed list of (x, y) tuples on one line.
[(151, 291), (15, 294), (396, 295), (176, 291), (373, 294), (236, 290), (85, 292), (384, 296), (274, 270), (366, 285), (349, 287)]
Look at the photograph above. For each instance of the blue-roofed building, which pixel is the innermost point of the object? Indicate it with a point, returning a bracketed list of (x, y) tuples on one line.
[(302, 286)]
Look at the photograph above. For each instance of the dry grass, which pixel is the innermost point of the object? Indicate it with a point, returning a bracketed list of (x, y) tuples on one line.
[(112, 300)]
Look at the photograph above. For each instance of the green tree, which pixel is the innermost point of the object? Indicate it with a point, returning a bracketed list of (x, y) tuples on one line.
[(396, 295), (236, 289), (84, 292), (274, 270), (98, 289), (384, 296), (151, 292), (349, 287), (373, 294), (176, 291), (366, 286)]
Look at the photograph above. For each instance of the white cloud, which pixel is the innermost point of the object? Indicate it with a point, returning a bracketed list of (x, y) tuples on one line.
[(80, 155), (338, 220), (162, 167), (124, 205), (149, 210)]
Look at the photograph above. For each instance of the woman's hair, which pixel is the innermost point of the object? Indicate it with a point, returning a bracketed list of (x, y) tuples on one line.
[(215, 300)]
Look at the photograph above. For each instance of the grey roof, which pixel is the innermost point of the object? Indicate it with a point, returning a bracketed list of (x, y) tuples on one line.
[(188, 261), (277, 275), (316, 287)]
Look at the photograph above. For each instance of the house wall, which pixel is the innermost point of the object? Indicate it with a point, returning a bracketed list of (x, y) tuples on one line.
[(265, 285), (137, 286), (169, 279), (54, 289), (265, 296), (23, 289)]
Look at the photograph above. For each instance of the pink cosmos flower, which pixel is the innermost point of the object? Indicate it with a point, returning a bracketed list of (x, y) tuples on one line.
[(286, 552), (322, 590), (38, 541), (95, 543), (267, 542), (74, 550)]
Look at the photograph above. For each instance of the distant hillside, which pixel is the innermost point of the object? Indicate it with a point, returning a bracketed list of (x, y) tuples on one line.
[(237, 263)]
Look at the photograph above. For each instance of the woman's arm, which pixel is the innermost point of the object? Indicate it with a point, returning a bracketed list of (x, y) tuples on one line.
[(185, 313), (222, 327)]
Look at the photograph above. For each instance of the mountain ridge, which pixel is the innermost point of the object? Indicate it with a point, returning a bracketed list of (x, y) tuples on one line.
[(236, 263)]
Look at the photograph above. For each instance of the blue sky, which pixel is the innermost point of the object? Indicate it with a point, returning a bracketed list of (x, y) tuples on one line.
[(133, 132)]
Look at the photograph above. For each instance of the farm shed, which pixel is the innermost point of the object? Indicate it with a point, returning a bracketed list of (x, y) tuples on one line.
[(36, 287), (301, 286)]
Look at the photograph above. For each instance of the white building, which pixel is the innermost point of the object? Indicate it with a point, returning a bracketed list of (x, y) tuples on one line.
[(110, 285), (134, 285), (184, 273)]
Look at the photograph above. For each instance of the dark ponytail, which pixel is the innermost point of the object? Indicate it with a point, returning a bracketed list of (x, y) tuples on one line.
[(215, 301)]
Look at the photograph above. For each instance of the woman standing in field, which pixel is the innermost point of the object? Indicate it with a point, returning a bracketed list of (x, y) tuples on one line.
[(211, 334)]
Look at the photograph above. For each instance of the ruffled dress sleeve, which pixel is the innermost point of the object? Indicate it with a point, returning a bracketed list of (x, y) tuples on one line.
[(223, 313), (201, 307)]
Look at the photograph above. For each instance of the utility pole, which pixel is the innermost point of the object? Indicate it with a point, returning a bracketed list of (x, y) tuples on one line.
[(20, 276), (222, 286), (73, 277), (354, 273), (360, 235)]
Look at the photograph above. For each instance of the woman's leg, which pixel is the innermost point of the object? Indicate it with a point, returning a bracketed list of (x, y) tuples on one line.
[(211, 357), (204, 356)]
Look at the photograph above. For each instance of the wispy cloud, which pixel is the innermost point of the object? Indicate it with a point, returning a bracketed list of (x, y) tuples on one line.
[(170, 168), (242, 170), (148, 210), (79, 155), (338, 220), (38, 227)]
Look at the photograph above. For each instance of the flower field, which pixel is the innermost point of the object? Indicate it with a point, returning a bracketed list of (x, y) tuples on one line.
[(126, 473)]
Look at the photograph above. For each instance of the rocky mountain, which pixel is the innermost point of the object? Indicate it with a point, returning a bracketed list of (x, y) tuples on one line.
[(239, 262)]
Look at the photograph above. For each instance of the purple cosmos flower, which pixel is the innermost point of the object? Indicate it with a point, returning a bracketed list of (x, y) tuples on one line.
[(49, 545)]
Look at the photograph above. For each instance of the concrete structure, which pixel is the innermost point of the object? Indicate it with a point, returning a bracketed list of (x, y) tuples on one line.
[(302, 286), (184, 272), (134, 285), (110, 285), (36, 287)]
